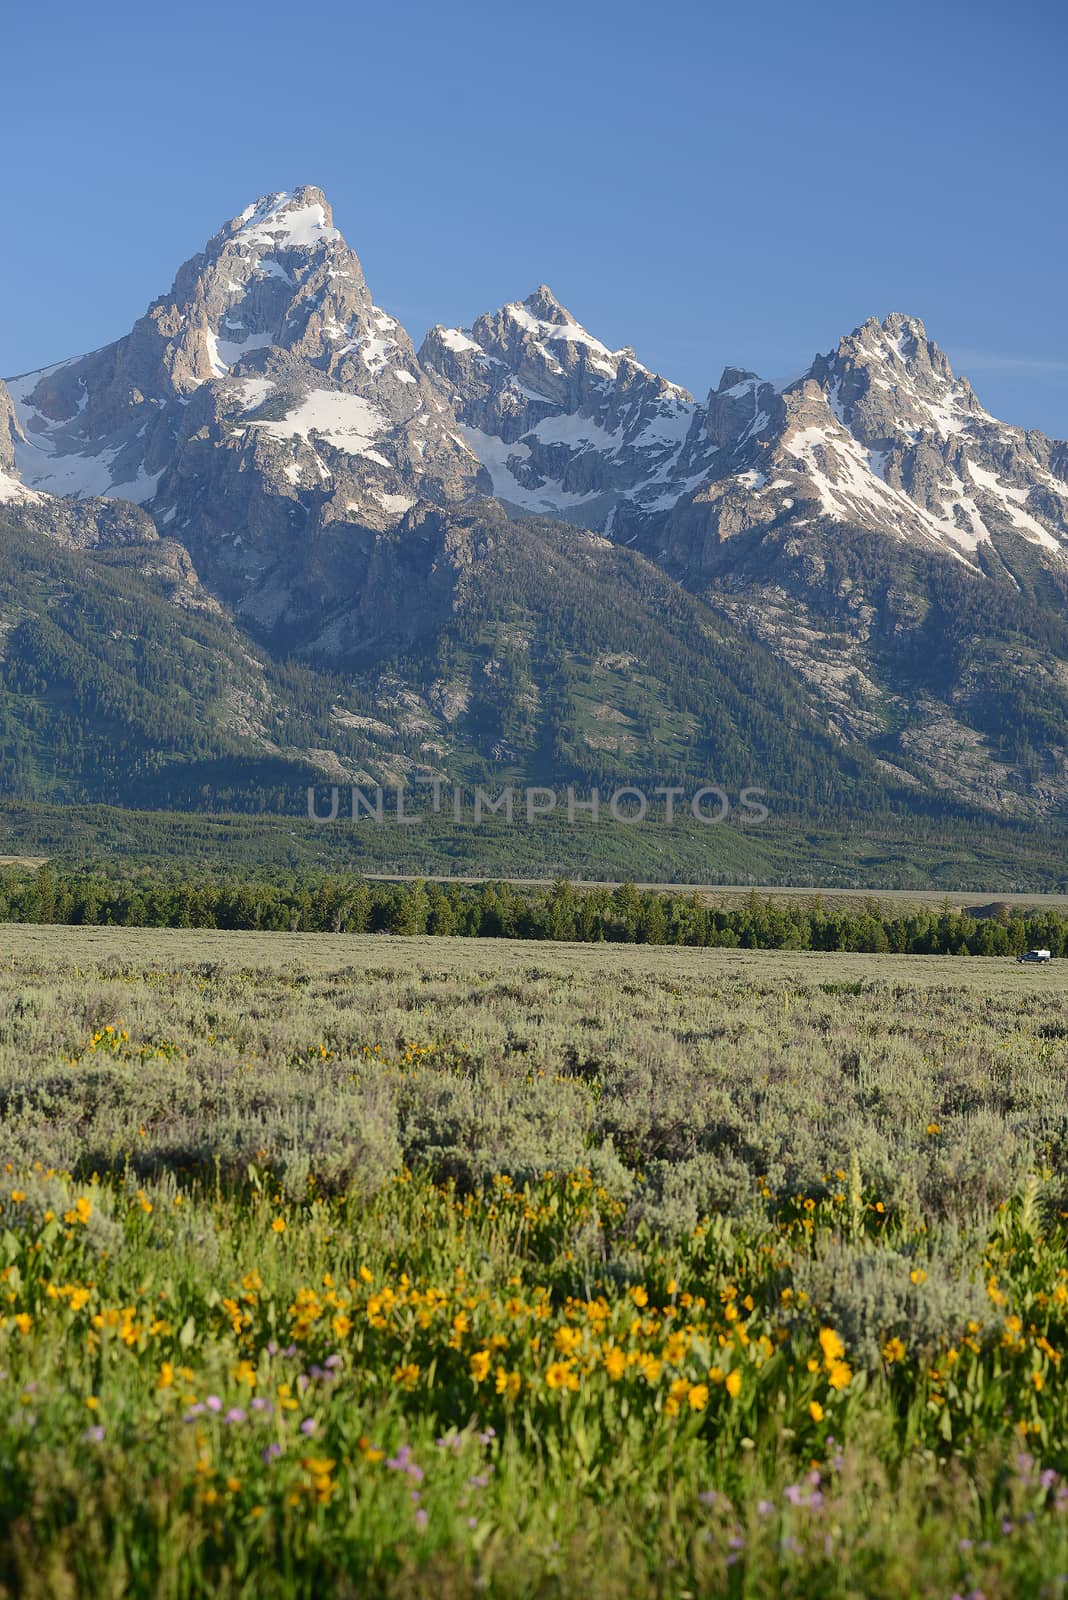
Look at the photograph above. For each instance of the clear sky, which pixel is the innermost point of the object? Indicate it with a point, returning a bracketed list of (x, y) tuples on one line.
[(710, 183)]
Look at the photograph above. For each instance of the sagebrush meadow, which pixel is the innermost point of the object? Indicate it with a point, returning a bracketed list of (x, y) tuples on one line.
[(371, 1266)]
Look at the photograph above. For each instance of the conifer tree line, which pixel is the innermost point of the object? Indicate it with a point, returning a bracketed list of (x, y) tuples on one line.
[(318, 903)]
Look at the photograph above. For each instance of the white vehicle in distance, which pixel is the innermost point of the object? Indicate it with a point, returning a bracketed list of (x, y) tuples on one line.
[(1035, 955)]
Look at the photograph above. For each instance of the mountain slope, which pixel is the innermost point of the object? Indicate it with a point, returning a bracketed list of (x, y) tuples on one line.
[(122, 680), (558, 657)]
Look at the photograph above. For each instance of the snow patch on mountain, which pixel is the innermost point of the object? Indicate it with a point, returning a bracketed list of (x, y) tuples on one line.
[(280, 221), (12, 492), (346, 420)]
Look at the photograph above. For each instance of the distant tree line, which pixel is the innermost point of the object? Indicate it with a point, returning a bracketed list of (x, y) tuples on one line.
[(624, 914)]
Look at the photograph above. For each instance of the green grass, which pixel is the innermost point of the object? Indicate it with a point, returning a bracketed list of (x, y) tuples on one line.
[(969, 855), (361, 1266)]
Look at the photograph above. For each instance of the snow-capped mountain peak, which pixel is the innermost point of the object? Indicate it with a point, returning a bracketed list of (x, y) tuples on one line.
[(298, 221), (564, 425), (878, 434), (264, 394), (268, 360)]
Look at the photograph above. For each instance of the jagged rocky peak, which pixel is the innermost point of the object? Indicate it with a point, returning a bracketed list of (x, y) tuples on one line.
[(299, 221), (267, 358), (564, 425), (545, 307), (739, 408), (887, 375), (878, 434)]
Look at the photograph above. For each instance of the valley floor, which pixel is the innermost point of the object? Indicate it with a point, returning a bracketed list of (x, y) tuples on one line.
[(384, 956), (429, 1267)]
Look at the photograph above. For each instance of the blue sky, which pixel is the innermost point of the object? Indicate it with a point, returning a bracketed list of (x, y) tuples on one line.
[(711, 183)]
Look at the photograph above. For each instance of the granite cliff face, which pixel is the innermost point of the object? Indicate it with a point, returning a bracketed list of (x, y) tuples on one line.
[(12, 490)]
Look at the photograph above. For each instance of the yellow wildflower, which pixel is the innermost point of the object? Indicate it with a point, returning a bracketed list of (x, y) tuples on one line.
[(615, 1363), (480, 1365), (508, 1383), (832, 1346)]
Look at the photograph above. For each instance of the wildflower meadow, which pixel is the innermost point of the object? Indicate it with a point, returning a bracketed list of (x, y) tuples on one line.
[(370, 1266)]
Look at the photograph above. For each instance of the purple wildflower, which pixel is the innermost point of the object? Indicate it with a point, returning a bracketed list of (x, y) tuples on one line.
[(213, 1402), (309, 1425), (235, 1414), (271, 1452)]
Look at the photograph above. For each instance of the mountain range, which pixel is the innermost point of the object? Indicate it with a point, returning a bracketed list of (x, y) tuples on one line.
[(261, 536)]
